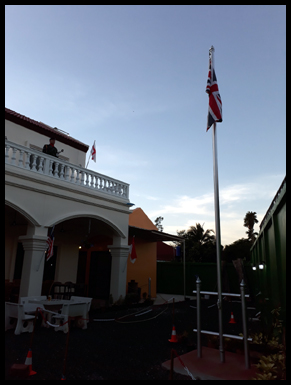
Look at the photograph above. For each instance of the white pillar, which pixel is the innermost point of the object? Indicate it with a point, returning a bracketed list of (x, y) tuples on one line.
[(118, 270), (34, 244)]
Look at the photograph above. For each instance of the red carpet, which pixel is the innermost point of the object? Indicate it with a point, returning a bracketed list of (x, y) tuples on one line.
[(209, 366)]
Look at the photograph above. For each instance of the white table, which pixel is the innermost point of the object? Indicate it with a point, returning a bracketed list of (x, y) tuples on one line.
[(56, 304)]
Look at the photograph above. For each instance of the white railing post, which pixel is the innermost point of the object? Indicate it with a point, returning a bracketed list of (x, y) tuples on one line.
[(7, 153), (46, 166), (27, 160), (20, 161), (33, 167), (67, 173), (56, 171), (14, 149), (40, 167), (77, 177), (62, 171)]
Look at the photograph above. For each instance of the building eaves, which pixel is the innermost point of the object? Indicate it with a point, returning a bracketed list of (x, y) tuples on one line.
[(153, 235), (44, 129)]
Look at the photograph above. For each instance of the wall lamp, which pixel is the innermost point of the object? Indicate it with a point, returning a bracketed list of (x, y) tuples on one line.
[(254, 267), (130, 204), (262, 265)]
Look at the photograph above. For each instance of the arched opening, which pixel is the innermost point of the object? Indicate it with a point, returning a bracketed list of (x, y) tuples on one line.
[(83, 256)]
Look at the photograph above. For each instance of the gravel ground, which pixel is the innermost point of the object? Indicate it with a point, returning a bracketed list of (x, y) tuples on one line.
[(132, 347)]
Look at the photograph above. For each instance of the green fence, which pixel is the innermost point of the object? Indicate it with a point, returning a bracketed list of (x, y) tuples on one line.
[(268, 256), (170, 277)]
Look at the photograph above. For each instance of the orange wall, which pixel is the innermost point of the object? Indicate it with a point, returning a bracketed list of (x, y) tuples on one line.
[(145, 266)]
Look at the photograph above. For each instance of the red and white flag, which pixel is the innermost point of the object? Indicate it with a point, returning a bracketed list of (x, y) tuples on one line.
[(93, 152), (132, 251), (50, 242), (215, 104)]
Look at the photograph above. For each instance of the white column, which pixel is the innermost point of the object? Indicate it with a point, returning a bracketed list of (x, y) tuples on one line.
[(118, 270), (34, 244)]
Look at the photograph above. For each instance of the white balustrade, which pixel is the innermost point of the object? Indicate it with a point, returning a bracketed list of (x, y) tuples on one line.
[(41, 163)]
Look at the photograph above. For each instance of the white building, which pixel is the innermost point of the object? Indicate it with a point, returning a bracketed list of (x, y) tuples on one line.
[(42, 191)]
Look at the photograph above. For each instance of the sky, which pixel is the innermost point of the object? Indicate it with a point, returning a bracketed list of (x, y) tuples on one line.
[(133, 78)]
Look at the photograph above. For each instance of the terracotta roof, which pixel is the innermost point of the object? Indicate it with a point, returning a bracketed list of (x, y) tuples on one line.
[(44, 129)]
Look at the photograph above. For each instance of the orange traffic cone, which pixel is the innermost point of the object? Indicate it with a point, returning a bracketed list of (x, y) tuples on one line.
[(232, 320), (28, 362), (173, 336)]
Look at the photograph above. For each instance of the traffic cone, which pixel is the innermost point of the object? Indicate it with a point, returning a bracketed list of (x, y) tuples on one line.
[(28, 362), (232, 320), (173, 336)]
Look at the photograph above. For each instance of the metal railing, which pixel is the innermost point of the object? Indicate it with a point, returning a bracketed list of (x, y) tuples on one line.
[(244, 320)]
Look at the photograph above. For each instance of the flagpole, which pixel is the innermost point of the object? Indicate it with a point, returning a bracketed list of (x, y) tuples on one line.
[(218, 240)]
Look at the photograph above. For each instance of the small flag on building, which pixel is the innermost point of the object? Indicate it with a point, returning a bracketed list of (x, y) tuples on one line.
[(215, 104), (50, 242), (93, 152), (132, 251)]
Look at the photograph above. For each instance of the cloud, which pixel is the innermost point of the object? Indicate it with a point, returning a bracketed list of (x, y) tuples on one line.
[(235, 200), (231, 198)]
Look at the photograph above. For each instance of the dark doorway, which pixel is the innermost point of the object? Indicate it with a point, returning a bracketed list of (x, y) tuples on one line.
[(82, 263), (99, 276), (18, 261)]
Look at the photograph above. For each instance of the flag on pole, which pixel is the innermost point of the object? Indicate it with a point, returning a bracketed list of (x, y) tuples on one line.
[(93, 152), (132, 251), (50, 242), (215, 104)]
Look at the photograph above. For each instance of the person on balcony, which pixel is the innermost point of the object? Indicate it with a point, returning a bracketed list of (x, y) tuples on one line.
[(50, 149)]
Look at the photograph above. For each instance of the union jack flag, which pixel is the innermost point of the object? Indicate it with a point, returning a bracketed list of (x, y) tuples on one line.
[(50, 242), (215, 104)]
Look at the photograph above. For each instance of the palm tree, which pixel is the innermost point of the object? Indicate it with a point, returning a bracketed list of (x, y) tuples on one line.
[(199, 235), (199, 244), (250, 220)]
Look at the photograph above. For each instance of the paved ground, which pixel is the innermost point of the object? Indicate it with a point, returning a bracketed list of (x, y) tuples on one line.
[(120, 343), (162, 298), (209, 367)]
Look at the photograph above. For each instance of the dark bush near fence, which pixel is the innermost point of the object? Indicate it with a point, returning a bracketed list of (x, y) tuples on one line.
[(170, 277)]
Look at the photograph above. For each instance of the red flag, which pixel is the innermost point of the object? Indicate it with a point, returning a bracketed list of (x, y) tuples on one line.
[(93, 152), (132, 251), (215, 104)]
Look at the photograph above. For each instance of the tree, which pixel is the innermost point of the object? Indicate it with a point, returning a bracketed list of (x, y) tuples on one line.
[(238, 249), (199, 244), (250, 220), (158, 223)]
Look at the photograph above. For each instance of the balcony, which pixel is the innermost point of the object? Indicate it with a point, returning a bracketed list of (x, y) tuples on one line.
[(42, 164)]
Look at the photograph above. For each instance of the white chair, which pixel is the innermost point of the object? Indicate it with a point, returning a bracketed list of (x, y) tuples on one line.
[(82, 299), (88, 301), (15, 315), (76, 309), (62, 319), (30, 308)]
